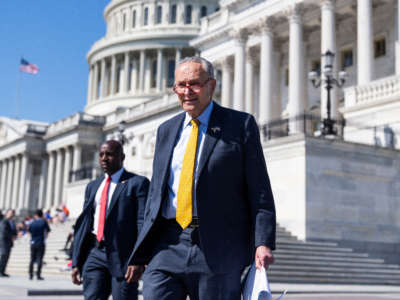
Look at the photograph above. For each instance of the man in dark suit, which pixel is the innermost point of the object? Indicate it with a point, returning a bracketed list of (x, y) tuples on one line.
[(8, 234), (210, 210), (106, 231)]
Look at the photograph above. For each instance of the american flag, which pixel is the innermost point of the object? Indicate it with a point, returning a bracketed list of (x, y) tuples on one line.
[(27, 67)]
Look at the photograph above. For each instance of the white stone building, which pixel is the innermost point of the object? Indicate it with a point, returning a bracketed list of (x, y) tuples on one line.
[(344, 188)]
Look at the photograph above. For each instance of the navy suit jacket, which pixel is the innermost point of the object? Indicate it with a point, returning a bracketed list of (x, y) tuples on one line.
[(124, 220), (234, 199)]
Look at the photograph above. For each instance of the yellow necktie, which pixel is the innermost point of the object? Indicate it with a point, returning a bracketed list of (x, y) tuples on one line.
[(185, 189)]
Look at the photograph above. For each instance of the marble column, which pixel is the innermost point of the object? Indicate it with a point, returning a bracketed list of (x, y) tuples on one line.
[(196, 13), (10, 183), (113, 90), (296, 61), (142, 70), (152, 13), (147, 75), (50, 181), (178, 56), (58, 178), (22, 185), (249, 100), (180, 13), (240, 37), (226, 88), (77, 162), (398, 39), (3, 184), (365, 35), (26, 200), (67, 170), (266, 75), (159, 70), (42, 183), (125, 79), (16, 182), (95, 88), (165, 13), (134, 76), (103, 79), (90, 85), (328, 43)]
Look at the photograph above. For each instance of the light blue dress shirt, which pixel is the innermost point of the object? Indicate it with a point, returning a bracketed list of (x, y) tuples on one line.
[(169, 206)]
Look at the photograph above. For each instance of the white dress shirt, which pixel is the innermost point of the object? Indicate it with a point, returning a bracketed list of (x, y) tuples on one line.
[(113, 184), (169, 206)]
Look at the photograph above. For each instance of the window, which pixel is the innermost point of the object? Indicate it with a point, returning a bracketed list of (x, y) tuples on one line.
[(171, 73), (379, 47), (159, 14), (203, 11), (347, 58), (154, 73), (287, 76), (188, 14), (134, 19), (123, 22), (173, 14), (146, 17), (316, 66)]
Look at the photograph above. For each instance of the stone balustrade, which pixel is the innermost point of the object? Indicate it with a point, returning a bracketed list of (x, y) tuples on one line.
[(379, 90)]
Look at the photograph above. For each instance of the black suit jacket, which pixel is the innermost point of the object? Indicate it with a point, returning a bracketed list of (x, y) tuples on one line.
[(124, 219), (233, 193), (7, 235)]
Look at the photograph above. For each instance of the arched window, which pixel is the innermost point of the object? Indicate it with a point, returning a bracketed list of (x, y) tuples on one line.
[(188, 14), (203, 11), (146, 17), (173, 14), (134, 19), (159, 14)]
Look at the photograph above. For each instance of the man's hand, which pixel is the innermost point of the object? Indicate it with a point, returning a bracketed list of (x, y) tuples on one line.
[(133, 273), (263, 257), (76, 276)]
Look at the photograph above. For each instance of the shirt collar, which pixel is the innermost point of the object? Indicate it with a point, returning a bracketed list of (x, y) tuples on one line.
[(116, 176), (203, 118)]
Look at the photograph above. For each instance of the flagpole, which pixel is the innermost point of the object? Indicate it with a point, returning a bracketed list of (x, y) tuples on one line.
[(17, 94)]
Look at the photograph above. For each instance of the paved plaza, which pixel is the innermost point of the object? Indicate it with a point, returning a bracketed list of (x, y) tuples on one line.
[(17, 287)]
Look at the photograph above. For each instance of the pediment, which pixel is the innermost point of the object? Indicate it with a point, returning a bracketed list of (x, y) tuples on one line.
[(12, 129)]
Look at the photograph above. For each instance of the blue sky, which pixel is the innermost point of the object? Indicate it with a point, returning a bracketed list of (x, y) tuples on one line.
[(56, 36)]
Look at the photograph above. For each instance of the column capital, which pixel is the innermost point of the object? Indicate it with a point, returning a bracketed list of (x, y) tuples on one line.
[(251, 55), (294, 13), (328, 4), (239, 34), (266, 25), (226, 63)]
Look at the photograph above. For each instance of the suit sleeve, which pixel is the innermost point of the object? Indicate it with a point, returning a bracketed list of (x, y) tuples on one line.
[(141, 196), (259, 190)]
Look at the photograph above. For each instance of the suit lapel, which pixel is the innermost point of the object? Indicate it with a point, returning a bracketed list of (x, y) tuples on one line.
[(167, 147), (211, 137), (118, 189)]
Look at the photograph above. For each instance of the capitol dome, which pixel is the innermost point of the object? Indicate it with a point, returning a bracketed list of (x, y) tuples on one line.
[(136, 59)]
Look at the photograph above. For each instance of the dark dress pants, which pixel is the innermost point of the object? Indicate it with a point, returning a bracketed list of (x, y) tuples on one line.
[(178, 269), (4, 256), (98, 283), (37, 253)]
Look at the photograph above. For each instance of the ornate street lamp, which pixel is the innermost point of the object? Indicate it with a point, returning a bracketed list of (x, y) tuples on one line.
[(121, 133), (328, 80)]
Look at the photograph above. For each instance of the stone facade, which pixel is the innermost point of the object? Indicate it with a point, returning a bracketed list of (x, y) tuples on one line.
[(262, 51)]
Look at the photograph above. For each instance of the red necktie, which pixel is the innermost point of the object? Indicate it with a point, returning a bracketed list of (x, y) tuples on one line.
[(103, 206)]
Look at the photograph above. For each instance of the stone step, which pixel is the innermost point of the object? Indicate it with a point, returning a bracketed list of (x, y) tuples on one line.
[(311, 251), (295, 257), (313, 263), (335, 275), (349, 269), (289, 278), (306, 246)]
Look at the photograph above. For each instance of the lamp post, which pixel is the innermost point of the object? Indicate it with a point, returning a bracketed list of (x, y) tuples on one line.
[(121, 134), (328, 81)]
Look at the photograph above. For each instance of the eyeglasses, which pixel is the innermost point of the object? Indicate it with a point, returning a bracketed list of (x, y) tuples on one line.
[(194, 87)]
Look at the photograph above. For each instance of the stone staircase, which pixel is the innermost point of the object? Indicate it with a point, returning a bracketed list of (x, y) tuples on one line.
[(295, 261), (327, 263), (54, 260)]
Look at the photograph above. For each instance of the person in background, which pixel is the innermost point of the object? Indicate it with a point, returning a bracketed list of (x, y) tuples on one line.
[(8, 234), (39, 230)]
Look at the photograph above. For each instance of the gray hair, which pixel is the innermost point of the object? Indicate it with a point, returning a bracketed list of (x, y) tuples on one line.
[(207, 66)]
